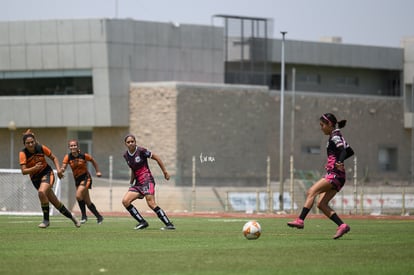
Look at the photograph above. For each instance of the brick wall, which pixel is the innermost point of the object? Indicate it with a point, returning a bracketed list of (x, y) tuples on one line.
[(153, 112)]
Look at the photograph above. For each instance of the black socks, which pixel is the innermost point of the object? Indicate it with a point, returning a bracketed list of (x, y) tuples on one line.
[(162, 216), (336, 219), (82, 208), (134, 213), (160, 213), (92, 208), (45, 210), (65, 212), (304, 213)]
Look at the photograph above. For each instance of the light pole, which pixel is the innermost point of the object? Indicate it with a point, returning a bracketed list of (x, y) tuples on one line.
[(412, 133), (116, 9), (292, 143), (282, 103), (12, 128)]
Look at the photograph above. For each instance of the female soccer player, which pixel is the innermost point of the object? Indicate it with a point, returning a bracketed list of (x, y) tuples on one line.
[(327, 187), (33, 162), (78, 163), (142, 184)]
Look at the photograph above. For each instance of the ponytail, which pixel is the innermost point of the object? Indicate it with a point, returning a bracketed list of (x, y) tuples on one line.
[(342, 123)]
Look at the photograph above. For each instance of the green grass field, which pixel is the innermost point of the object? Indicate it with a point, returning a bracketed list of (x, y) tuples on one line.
[(203, 245)]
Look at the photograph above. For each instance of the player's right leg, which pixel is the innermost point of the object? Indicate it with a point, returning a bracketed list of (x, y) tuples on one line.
[(319, 187), (127, 200), (80, 191), (61, 207), (44, 202)]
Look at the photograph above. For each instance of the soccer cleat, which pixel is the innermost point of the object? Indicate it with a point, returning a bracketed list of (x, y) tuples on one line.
[(298, 223), (100, 220), (141, 225), (84, 220), (342, 230), (168, 227), (44, 224), (75, 221)]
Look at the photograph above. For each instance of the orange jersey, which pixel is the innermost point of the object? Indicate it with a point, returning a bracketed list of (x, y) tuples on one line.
[(39, 155), (78, 164)]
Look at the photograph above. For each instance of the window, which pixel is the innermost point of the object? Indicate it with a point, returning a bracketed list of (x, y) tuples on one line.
[(45, 83), (309, 79), (347, 81), (387, 159), (276, 81), (311, 149)]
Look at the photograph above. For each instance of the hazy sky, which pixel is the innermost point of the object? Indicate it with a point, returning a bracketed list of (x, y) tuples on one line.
[(365, 22)]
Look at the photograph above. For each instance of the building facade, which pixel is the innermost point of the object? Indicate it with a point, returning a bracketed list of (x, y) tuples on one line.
[(72, 79)]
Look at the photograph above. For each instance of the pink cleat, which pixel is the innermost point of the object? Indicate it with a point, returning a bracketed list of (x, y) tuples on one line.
[(342, 230), (298, 223)]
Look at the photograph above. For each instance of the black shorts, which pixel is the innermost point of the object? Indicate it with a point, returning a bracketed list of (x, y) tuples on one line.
[(46, 176), (84, 180)]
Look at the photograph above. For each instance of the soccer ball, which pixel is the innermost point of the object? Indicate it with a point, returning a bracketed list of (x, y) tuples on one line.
[(252, 230)]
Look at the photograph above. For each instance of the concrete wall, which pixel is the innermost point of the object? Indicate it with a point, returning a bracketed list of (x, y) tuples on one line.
[(373, 122), (339, 68), (340, 55), (150, 51), (408, 45), (56, 45), (117, 52), (370, 82), (228, 129), (231, 129)]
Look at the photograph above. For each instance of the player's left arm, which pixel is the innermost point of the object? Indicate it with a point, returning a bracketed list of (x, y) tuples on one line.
[(340, 161), (161, 165), (95, 165), (340, 146), (55, 160)]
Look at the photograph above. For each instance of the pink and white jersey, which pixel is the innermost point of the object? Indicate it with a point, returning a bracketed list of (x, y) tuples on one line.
[(138, 162), (336, 144)]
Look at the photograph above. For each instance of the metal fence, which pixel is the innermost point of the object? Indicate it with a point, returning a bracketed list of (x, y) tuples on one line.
[(355, 198)]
